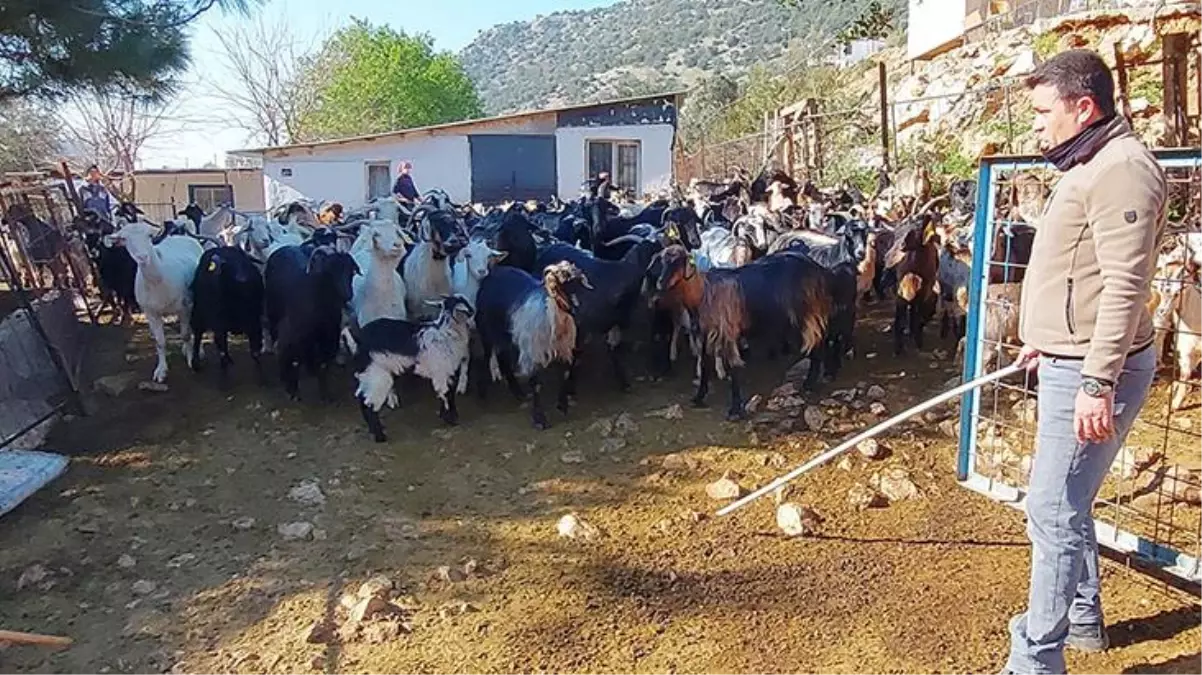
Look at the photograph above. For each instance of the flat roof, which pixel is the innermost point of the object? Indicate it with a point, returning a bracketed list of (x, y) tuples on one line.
[(451, 125)]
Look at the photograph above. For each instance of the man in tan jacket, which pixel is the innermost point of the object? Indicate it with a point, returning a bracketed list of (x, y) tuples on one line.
[(1086, 327)]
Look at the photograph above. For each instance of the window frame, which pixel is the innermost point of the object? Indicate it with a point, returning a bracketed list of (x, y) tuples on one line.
[(616, 143), (367, 166), (229, 190)]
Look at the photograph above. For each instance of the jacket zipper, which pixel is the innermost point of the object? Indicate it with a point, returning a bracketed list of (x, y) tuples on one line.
[(1069, 319)]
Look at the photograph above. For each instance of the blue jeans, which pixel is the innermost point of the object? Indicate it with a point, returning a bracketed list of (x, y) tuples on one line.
[(1065, 479)]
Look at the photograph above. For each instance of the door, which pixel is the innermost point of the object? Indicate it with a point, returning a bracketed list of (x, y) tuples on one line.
[(513, 167), (379, 180)]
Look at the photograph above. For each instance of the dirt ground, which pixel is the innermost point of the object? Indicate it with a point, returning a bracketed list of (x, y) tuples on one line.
[(149, 562)]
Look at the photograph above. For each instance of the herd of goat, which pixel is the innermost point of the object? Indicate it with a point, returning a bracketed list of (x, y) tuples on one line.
[(462, 293)]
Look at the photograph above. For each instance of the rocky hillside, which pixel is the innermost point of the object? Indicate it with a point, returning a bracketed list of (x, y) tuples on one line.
[(643, 46)]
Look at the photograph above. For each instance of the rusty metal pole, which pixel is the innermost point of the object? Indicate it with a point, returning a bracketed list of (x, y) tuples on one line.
[(1120, 67), (882, 84), (1173, 71)]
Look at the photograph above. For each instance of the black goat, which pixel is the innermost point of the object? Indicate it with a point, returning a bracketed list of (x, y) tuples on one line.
[(778, 295), (193, 213), (227, 296), (116, 270), (606, 308), (915, 259), (526, 325), (307, 294)]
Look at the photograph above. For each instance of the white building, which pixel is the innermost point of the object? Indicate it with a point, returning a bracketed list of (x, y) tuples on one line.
[(530, 155)]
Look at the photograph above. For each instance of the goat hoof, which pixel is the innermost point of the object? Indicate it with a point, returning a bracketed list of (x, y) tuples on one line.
[(540, 422), (451, 419)]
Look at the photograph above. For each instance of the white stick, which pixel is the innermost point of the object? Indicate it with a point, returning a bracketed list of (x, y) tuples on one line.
[(852, 442)]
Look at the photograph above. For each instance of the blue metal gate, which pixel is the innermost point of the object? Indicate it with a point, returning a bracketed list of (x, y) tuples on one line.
[(512, 166), (1145, 512)]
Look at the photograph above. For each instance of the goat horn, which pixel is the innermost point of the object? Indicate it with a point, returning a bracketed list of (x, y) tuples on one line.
[(929, 204), (623, 239)]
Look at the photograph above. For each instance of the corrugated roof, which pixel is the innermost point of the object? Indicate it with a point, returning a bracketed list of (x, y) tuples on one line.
[(449, 125)]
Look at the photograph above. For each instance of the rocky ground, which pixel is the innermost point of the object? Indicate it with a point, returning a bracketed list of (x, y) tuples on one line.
[(209, 530)]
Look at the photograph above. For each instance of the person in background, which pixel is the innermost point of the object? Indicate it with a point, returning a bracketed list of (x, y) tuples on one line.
[(93, 195), (601, 186), (1085, 324), (330, 214), (404, 190)]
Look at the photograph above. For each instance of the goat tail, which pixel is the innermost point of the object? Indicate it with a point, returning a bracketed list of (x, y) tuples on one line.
[(818, 306), (909, 287), (723, 318)]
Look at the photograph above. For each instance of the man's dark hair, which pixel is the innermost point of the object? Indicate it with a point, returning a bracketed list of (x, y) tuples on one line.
[(90, 167), (1076, 74)]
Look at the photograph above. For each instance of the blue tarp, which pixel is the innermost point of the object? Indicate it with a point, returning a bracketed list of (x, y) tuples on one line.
[(24, 472)]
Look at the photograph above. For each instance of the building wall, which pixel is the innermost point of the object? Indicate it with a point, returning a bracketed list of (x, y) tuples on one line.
[(164, 187), (339, 172), (655, 154)]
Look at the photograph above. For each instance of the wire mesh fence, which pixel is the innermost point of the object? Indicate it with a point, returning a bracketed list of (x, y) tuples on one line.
[(1148, 508)]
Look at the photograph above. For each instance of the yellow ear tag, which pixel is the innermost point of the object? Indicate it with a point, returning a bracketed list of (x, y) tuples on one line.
[(672, 232), (212, 265)]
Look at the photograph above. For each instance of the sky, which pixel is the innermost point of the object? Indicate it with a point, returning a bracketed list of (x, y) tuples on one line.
[(198, 130)]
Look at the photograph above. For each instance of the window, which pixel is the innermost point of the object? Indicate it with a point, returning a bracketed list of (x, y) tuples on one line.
[(209, 197), (620, 159), (379, 180)]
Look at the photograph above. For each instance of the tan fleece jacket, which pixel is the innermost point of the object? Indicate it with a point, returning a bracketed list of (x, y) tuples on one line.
[(1093, 258)]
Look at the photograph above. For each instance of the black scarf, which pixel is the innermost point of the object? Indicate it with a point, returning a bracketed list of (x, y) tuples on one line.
[(1082, 147)]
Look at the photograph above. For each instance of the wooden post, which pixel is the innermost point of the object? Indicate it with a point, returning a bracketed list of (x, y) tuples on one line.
[(1120, 67), (883, 85), (1174, 71), (816, 127), (790, 147), (71, 186)]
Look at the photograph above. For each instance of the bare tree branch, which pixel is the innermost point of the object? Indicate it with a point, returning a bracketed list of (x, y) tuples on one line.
[(261, 79)]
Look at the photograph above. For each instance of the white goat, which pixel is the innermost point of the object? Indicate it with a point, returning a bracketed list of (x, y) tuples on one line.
[(163, 284), (1180, 308), (379, 291), (471, 264)]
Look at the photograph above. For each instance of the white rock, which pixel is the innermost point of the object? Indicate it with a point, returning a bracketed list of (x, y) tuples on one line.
[(950, 428), (450, 574), (1134, 460), (796, 520), (126, 561), (863, 497), (844, 463), (895, 484), (672, 412), (114, 385), (871, 449), (144, 587), (876, 392), (844, 395), (679, 462), (572, 526), (624, 424), (611, 445), (308, 493), (242, 523), (378, 586), (32, 575), (877, 408), (724, 489), (572, 457), (293, 531), (157, 387), (367, 608)]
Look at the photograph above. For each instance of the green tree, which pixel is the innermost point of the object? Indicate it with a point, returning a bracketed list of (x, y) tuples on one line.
[(369, 79), (52, 48), (29, 136)]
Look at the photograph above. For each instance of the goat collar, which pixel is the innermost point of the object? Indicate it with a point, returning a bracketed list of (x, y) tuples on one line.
[(1081, 148)]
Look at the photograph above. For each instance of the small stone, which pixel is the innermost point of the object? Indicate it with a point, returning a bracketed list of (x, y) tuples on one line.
[(321, 632), (603, 426), (378, 586), (242, 523), (1182, 422), (786, 389), (814, 418), (950, 428), (88, 528), (858, 405), (877, 408), (624, 424), (844, 395), (181, 560), (157, 387), (871, 449), (724, 489), (796, 520), (572, 526), (307, 493), (780, 495), (319, 534), (572, 457), (144, 587), (449, 574), (828, 403), (367, 608), (114, 385), (126, 561), (753, 404), (611, 445), (952, 383), (294, 531), (679, 462), (1134, 460), (863, 497), (470, 566), (672, 412), (895, 484), (32, 575), (844, 463), (776, 460), (1026, 411)]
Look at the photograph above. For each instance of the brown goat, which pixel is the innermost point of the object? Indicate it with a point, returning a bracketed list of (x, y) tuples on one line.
[(678, 289), (915, 257)]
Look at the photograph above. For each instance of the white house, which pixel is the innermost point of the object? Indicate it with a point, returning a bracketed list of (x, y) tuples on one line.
[(529, 155)]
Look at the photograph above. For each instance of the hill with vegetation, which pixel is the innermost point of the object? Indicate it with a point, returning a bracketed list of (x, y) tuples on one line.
[(647, 46)]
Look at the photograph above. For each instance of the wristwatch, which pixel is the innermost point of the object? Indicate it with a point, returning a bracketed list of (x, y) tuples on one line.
[(1096, 387)]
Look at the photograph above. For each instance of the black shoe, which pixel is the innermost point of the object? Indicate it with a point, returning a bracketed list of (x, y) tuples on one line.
[(1088, 638)]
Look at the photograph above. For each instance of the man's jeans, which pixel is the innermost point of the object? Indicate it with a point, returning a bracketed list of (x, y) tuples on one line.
[(1065, 479)]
